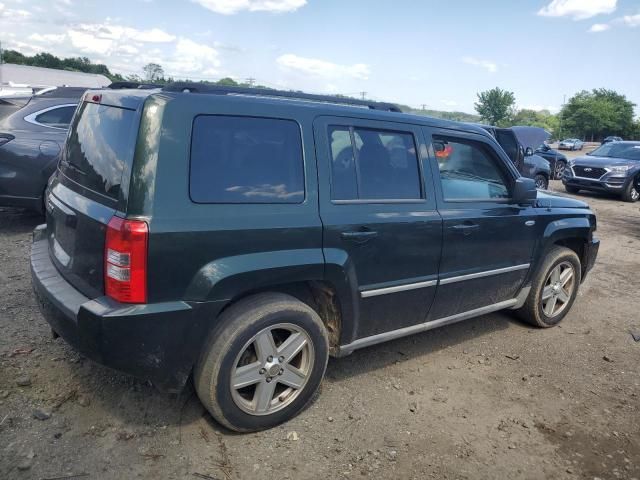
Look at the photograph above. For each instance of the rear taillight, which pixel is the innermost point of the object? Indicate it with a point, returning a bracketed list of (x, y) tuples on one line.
[(125, 260), (5, 138)]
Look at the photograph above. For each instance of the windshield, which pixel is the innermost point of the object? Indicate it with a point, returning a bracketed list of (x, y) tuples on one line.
[(628, 151)]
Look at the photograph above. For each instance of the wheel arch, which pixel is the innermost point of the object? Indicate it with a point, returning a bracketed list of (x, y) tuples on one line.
[(329, 287), (572, 233)]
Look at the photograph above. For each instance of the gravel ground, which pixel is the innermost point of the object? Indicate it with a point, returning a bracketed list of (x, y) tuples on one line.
[(487, 398)]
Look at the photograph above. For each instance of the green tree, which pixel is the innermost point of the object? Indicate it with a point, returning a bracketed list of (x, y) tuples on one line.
[(596, 114), (153, 72), (537, 118), (496, 106), (227, 82)]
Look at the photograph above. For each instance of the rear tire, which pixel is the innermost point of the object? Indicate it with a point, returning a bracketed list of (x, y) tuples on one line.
[(570, 189), (262, 363), (553, 290), (631, 193)]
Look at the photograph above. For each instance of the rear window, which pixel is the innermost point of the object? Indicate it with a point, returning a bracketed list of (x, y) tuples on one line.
[(246, 160), (101, 141)]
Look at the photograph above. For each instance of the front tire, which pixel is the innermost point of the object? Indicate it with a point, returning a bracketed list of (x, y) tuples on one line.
[(541, 182), (553, 289), (558, 169), (631, 193), (262, 363)]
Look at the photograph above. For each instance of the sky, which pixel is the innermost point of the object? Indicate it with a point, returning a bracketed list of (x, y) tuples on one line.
[(436, 53)]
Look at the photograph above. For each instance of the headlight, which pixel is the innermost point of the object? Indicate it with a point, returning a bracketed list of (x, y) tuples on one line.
[(619, 169)]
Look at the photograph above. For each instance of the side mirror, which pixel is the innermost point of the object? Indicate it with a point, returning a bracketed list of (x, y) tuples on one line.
[(524, 191), (528, 152)]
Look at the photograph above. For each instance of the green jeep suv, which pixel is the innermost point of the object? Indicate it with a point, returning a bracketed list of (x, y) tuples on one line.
[(242, 236)]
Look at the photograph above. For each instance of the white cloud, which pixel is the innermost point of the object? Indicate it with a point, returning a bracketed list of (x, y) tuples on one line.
[(631, 20), (231, 7), (599, 27), (106, 38), (49, 38), (127, 50), (13, 14), (22, 47), (322, 68), (89, 43), (192, 58), (578, 9), (491, 67)]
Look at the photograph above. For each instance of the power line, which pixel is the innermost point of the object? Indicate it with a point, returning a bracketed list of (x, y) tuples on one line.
[(251, 81)]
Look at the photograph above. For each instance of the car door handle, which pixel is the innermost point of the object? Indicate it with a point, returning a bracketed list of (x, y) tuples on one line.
[(465, 228), (359, 236)]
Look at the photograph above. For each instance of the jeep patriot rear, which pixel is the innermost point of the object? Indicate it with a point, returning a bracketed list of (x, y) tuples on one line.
[(243, 236)]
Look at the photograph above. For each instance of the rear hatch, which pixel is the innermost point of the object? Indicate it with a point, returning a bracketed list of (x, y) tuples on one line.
[(88, 188)]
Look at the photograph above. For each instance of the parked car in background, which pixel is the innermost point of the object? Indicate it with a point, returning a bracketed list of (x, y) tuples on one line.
[(277, 214), (528, 164), (612, 139), (571, 144), (612, 167), (557, 161), (32, 132)]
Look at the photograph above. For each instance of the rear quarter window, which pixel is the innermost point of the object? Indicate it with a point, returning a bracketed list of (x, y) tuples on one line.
[(246, 160)]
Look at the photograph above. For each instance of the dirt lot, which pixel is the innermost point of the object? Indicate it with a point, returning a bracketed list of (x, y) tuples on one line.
[(487, 398)]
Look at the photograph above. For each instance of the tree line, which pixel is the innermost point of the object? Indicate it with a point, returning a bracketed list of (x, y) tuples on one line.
[(588, 115)]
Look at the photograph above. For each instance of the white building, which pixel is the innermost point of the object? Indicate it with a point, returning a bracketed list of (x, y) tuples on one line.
[(12, 77)]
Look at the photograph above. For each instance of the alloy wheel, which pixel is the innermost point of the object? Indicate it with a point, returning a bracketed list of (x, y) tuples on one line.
[(558, 289), (541, 182), (272, 369), (635, 194), (560, 166)]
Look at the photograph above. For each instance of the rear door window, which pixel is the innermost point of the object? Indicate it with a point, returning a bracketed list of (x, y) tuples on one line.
[(102, 140), (246, 160), (370, 164)]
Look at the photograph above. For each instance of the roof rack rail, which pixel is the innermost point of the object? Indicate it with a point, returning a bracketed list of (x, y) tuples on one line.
[(267, 92), (138, 85)]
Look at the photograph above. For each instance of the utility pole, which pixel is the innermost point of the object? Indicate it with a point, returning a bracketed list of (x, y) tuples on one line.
[(363, 95), (564, 100), (424, 106), (251, 81)]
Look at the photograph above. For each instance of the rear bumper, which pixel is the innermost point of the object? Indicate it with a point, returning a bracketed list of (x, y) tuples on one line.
[(157, 342)]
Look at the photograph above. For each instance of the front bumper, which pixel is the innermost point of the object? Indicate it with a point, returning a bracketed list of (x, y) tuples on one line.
[(607, 183), (590, 255), (158, 342)]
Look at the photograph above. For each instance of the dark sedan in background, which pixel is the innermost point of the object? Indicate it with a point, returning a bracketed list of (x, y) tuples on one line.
[(32, 131), (612, 167), (612, 138), (557, 161)]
